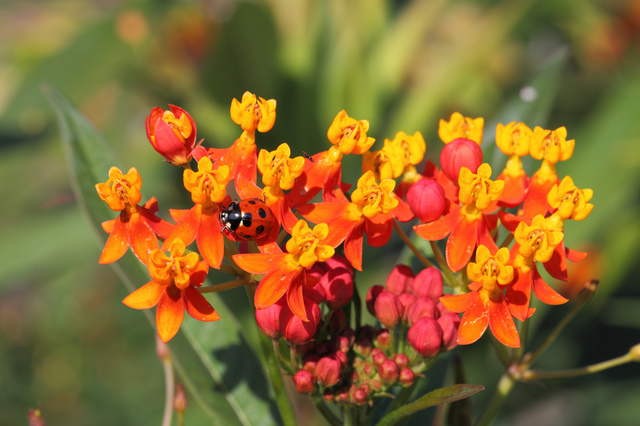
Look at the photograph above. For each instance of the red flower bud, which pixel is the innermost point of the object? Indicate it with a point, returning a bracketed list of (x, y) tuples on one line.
[(309, 362), (377, 357), (425, 336), (372, 295), (360, 396), (406, 377), (399, 280), (339, 262), (338, 287), (342, 357), (315, 293), (423, 307), (427, 200), (268, 319), (172, 133), (304, 381), (383, 339), (401, 359), (328, 371), (457, 154), (428, 283), (341, 344), (388, 309), (449, 323), (388, 371), (294, 329), (406, 300)]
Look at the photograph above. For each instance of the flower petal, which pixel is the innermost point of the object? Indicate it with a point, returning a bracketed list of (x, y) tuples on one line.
[(474, 322), (117, 243), (544, 292), (211, 240), (187, 226), (459, 302), (518, 294), (273, 285), (439, 229), (557, 265), (169, 313), (198, 307), (461, 243), (502, 325), (295, 299), (141, 238), (146, 296), (259, 263), (353, 246)]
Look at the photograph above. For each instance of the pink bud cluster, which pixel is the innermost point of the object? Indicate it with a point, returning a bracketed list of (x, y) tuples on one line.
[(412, 301)]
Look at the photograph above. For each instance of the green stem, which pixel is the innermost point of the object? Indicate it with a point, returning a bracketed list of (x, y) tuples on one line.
[(326, 411), (507, 241), (349, 416), (168, 391), (224, 286), (421, 257), (573, 372), (448, 275), (402, 397), (505, 385)]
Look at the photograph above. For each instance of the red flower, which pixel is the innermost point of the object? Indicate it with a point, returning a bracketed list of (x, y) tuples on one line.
[(172, 133)]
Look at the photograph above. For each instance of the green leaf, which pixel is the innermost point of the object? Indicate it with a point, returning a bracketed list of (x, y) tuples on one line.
[(219, 369), (436, 397)]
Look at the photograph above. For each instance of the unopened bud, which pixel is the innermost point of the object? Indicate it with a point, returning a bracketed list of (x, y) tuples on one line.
[(179, 399), (294, 329), (399, 280), (268, 319), (427, 200), (423, 307), (588, 291), (383, 339), (425, 336), (35, 417), (338, 287), (388, 371), (449, 323), (378, 357), (635, 352), (457, 154), (360, 396), (304, 381), (388, 309), (401, 360), (372, 295), (428, 283), (406, 377), (328, 371)]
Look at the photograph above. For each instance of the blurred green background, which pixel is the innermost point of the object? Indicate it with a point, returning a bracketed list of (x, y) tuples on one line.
[(68, 345)]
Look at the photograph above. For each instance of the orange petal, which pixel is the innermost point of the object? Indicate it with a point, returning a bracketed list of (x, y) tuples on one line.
[(459, 302), (117, 243), (518, 294), (187, 227), (535, 202), (247, 189), (439, 229), (511, 221), (146, 296), (353, 246), (474, 322), (198, 307), (210, 239), (259, 263), (169, 314), (273, 285), (178, 214), (141, 238), (402, 212), (544, 292), (108, 225), (502, 325), (378, 234), (574, 255), (515, 189), (295, 299), (159, 226), (198, 276), (461, 243), (323, 212), (484, 237), (557, 265)]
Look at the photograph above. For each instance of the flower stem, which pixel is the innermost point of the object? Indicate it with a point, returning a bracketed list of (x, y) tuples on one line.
[(505, 385), (326, 412), (421, 257), (239, 282), (454, 283), (573, 372), (169, 383)]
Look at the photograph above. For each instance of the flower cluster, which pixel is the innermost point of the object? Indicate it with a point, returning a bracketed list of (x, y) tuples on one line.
[(496, 232)]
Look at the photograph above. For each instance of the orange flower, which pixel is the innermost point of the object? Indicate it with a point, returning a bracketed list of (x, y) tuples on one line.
[(253, 113), (286, 272), (202, 221), (460, 126), (534, 243), (469, 226), (172, 133), (368, 212), (173, 289), (324, 171), (550, 146), (136, 226), (513, 140), (485, 306)]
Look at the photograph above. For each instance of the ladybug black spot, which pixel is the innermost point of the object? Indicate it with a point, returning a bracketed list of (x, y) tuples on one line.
[(262, 213), (251, 201), (246, 220), (259, 230)]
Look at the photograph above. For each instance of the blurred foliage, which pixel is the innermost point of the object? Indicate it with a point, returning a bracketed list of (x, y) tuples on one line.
[(69, 345)]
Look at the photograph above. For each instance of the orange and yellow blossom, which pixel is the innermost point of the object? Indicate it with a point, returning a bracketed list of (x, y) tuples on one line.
[(202, 222), (397, 156), (172, 133), (136, 226), (534, 243), (460, 126), (550, 146), (173, 289), (285, 273), (368, 212), (513, 140), (251, 114), (468, 225), (485, 305), (279, 172), (348, 136)]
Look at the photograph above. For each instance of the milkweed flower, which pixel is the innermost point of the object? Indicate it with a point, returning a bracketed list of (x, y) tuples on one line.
[(172, 133), (460, 126), (485, 306), (468, 225), (513, 140), (534, 243), (253, 113), (370, 212), (348, 136), (136, 226), (550, 146), (202, 222), (173, 289), (285, 273)]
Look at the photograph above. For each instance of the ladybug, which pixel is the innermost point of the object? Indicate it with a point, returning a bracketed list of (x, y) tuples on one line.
[(250, 219)]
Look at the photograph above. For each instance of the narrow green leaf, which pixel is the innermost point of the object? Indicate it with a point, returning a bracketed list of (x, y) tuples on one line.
[(436, 397), (217, 366)]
